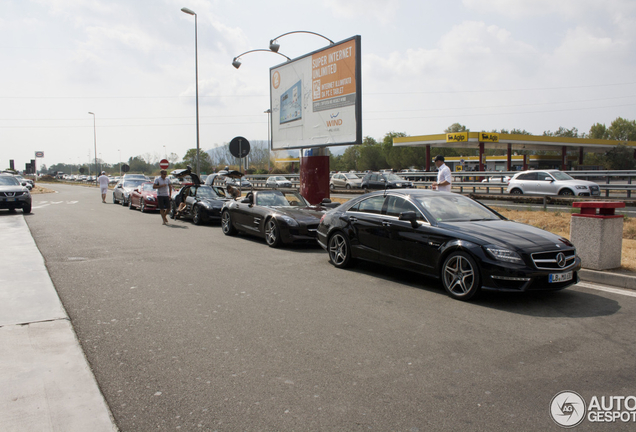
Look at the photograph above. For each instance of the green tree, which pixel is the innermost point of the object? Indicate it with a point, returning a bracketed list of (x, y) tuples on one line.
[(622, 130), (598, 131), (393, 155), (371, 156), (205, 162), (455, 127), (620, 157)]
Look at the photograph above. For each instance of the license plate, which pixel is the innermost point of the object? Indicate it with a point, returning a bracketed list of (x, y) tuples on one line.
[(10, 199), (560, 277)]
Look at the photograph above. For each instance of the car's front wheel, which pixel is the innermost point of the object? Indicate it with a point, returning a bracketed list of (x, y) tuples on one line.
[(331, 186), (26, 209), (142, 207), (566, 192), (114, 200), (339, 249), (460, 276), (130, 204), (348, 186), (226, 223), (196, 215), (272, 233)]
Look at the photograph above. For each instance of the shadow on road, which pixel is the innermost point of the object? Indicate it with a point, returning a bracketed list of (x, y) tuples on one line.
[(566, 303)]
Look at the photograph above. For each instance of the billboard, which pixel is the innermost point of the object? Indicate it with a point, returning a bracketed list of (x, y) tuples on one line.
[(316, 99)]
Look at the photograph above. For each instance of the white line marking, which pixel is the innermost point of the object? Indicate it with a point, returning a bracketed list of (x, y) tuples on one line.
[(625, 292)]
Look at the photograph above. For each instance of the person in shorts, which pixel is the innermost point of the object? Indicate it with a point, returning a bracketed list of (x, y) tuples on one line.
[(164, 191), (103, 185)]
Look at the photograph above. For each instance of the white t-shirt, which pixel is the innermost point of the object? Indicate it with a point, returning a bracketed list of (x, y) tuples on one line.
[(164, 190), (444, 174), (103, 181)]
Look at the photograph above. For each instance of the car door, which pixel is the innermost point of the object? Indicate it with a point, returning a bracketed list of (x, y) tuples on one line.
[(546, 187), (337, 180), (365, 221), (190, 200), (529, 183), (403, 244)]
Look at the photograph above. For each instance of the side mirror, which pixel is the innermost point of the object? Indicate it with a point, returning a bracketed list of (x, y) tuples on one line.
[(409, 216), (247, 200), (24, 184), (326, 201), (550, 179)]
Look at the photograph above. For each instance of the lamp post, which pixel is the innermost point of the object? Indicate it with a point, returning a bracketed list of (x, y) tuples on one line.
[(237, 63), (95, 141), (274, 45), (196, 75), (269, 137)]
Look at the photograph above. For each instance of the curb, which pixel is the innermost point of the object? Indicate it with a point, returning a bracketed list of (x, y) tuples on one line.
[(614, 279)]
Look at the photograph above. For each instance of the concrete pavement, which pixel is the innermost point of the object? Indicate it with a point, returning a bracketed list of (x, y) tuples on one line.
[(46, 383)]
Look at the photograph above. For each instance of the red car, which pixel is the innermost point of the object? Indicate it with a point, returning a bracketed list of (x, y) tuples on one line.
[(143, 197)]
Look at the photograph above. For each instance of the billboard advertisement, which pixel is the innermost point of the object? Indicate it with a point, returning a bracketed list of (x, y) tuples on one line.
[(316, 99)]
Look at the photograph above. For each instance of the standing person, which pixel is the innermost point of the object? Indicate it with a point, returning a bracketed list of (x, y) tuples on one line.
[(163, 194), (103, 185), (444, 178)]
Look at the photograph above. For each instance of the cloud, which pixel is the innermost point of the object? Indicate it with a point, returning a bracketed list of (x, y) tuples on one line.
[(381, 11)]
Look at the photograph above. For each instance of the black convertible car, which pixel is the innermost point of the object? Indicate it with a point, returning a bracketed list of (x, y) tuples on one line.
[(278, 216), (203, 203), (451, 237)]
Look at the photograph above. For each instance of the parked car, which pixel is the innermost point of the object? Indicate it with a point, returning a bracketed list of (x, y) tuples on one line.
[(277, 216), (344, 180), (123, 188), (29, 183), (242, 183), (203, 203), (143, 197), (378, 180), (450, 237), (496, 179), (278, 181), (13, 194), (550, 182)]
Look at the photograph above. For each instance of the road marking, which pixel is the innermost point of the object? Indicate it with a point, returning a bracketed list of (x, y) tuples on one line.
[(624, 292), (47, 203)]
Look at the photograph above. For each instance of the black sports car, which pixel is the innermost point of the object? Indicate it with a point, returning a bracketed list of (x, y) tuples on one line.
[(203, 203), (375, 180), (451, 237), (276, 215)]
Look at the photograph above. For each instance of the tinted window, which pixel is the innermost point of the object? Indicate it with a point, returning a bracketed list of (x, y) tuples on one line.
[(396, 205), (542, 175), (371, 205), (527, 176), (373, 177)]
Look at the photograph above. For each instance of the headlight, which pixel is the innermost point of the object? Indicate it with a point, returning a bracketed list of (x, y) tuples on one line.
[(504, 255), (398, 184), (150, 198), (289, 221), (581, 187)]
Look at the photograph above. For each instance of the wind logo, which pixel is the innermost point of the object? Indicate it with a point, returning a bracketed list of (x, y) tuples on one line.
[(336, 122)]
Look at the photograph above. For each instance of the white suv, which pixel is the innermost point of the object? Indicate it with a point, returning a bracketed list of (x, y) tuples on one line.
[(550, 182)]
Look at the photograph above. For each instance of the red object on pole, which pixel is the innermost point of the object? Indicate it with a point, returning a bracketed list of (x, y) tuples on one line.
[(509, 157), (606, 209), (164, 164), (428, 157), (314, 178), (564, 158), (525, 162)]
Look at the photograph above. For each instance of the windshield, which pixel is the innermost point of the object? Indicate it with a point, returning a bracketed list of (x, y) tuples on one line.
[(148, 187), (133, 183), (351, 176), (560, 175), (393, 177), (206, 192), (455, 209), (280, 199), (9, 181)]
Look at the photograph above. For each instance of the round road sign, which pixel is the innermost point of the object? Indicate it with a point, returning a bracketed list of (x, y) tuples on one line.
[(239, 147), (164, 164)]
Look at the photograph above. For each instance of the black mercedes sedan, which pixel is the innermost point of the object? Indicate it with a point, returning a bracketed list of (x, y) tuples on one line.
[(376, 180), (451, 237), (198, 202), (278, 216)]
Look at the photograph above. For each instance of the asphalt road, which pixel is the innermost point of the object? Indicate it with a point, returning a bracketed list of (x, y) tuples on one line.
[(187, 329)]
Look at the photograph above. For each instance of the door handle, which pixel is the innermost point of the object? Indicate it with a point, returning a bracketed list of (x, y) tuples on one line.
[(386, 223), (353, 219)]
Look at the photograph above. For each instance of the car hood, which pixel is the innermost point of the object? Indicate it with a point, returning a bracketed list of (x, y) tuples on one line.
[(514, 235), (577, 182), (303, 214), (13, 188)]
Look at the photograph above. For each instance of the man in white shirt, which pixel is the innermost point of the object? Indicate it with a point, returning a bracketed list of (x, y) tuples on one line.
[(103, 185), (444, 178), (164, 190)]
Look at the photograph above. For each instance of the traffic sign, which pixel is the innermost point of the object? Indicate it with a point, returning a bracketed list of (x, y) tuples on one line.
[(239, 147), (125, 168), (164, 164)]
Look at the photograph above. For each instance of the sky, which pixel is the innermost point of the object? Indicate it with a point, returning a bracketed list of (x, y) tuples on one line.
[(487, 64)]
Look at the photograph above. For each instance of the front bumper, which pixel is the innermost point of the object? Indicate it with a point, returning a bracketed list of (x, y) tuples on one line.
[(14, 202), (499, 277)]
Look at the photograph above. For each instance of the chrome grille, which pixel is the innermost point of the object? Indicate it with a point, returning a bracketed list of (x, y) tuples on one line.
[(550, 260), (11, 194)]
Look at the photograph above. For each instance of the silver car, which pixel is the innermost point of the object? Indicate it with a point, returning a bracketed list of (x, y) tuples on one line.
[(345, 180), (14, 195), (550, 182), (278, 181)]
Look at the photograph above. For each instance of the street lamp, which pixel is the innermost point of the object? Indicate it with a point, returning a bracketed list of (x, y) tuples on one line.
[(274, 45), (196, 75), (95, 140), (237, 63)]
